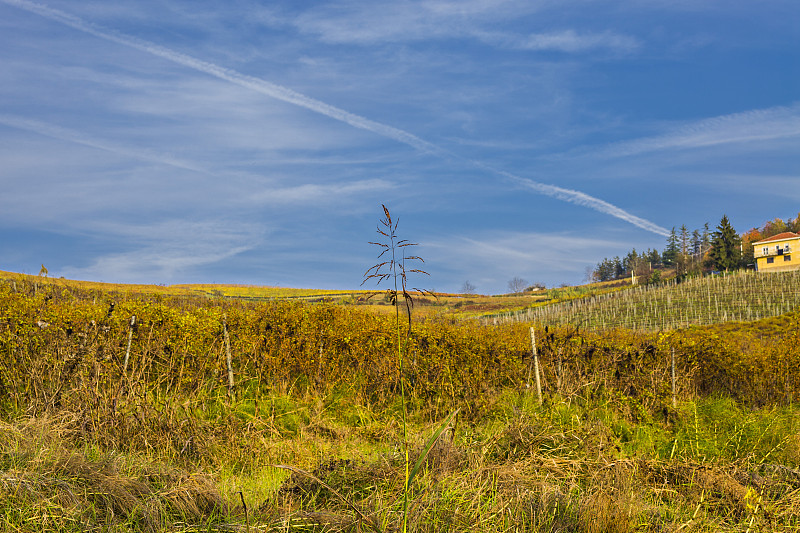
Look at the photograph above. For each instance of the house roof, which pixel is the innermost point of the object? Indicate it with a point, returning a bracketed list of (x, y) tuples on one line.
[(779, 237)]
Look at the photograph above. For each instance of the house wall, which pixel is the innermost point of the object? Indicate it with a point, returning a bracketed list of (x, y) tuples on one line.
[(790, 261)]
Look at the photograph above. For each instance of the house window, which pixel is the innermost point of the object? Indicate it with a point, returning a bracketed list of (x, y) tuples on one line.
[(787, 248), (770, 259), (765, 250), (787, 257)]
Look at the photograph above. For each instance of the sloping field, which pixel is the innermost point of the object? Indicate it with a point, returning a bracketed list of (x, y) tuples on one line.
[(200, 290), (742, 296), (441, 304), (215, 414)]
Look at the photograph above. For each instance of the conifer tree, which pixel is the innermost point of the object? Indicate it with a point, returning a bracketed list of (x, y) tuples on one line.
[(684, 239), (672, 250), (619, 270), (725, 246), (696, 243)]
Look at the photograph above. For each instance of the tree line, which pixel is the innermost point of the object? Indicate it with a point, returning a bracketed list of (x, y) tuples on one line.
[(693, 253)]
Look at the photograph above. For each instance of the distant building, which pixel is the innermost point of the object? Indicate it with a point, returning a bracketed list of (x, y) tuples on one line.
[(778, 253)]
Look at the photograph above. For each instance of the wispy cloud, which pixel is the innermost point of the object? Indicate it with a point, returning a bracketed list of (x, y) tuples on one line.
[(425, 21), (756, 125), (292, 97), (561, 41), (256, 84), (66, 134), (490, 259), (168, 249), (352, 23), (308, 194)]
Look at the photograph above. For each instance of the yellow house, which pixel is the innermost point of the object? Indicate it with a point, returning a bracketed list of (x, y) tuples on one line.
[(778, 253)]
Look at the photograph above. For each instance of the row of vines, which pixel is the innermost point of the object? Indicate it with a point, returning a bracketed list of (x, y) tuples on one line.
[(742, 296)]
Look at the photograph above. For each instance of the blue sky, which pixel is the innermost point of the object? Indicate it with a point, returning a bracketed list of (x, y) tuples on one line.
[(254, 142)]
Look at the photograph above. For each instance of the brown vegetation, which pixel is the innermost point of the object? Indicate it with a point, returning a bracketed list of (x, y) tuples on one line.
[(85, 446)]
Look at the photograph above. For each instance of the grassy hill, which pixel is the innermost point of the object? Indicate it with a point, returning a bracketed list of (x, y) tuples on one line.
[(214, 413), (736, 297), (441, 304), (244, 292)]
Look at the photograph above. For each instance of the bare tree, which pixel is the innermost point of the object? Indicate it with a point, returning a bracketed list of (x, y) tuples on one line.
[(468, 288), (517, 284), (588, 274)]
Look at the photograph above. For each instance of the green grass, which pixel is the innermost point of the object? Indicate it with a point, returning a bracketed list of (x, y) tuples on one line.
[(171, 451), (583, 465)]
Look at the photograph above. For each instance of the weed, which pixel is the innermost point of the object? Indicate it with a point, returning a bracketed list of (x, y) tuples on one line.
[(394, 268)]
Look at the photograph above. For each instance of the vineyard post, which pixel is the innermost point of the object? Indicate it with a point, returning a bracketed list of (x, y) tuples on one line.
[(536, 367), (131, 324), (228, 355), (560, 369), (674, 400)]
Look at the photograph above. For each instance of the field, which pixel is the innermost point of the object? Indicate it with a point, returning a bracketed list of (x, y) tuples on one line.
[(439, 305), (217, 413)]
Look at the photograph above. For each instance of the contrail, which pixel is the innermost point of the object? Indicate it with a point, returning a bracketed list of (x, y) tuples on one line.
[(256, 84), (287, 95), (578, 198), (57, 132)]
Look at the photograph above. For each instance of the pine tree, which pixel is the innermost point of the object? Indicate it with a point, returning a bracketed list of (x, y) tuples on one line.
[(654, 258), (619, 270), (630, 262), (670, 254), (726, 251), (697, 243), (684, 239)]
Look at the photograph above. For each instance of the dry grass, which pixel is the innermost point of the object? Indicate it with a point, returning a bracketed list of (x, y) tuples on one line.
[(85, 448), (47, 485), (523, 472)]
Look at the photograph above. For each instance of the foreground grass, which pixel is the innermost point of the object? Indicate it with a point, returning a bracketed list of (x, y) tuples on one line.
[(309, 438), (579, 465)]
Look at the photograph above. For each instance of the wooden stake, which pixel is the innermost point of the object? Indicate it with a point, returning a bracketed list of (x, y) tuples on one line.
[(228, 355), (536, 366), (560, 370), (128, 349), (674, 399)]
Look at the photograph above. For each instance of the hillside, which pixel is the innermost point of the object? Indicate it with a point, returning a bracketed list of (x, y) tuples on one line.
[(737, 297), (220, 414), (740, 297), (440, 304)]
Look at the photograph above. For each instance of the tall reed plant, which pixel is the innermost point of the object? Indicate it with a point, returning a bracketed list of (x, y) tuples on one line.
[(395, 266)]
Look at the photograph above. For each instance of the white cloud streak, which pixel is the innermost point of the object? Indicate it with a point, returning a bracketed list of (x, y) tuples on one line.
[(295, 98), (489, 259), (169, 248), (578, 198), (750, 126), (65, 134), (308, 193), (562, 41), (425, 20), (256, 84)]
